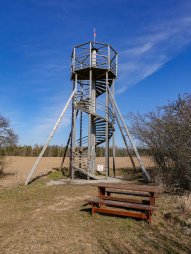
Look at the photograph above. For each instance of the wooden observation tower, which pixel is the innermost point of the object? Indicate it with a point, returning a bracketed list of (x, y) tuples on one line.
[(94, 68), (94, 113)]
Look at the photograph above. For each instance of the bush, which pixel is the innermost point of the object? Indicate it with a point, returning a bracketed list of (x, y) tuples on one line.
[(167, 133), (2, 165), (7, 138)]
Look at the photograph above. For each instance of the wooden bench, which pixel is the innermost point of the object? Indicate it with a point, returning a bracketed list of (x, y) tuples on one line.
[(126, 209), (144, 191), (108, 193)]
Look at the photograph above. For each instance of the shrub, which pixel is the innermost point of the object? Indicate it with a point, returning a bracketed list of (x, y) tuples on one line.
[(166, 132), (7, 138), (2, 165)]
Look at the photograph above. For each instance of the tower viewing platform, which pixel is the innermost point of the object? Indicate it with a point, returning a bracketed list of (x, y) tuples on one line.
[(99, 57)]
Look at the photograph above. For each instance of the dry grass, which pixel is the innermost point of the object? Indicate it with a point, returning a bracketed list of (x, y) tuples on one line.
[(19, 167), (41, 219), (184, 204)]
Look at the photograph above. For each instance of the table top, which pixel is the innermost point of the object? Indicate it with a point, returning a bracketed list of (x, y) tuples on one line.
[(132, 187)]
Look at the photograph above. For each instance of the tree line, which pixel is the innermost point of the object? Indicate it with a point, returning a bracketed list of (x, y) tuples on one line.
[(58, 151)]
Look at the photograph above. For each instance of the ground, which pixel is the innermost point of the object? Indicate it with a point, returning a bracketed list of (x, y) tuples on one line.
[(52, 219)]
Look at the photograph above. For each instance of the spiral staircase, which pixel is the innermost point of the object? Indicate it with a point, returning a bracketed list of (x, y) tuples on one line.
[(102, 115)]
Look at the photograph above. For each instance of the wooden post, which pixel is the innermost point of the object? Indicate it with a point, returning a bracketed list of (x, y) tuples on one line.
[(107, 130), (113, 137), (90, 123), (73, 129), (145, 174), (65, 151), (49, 139)]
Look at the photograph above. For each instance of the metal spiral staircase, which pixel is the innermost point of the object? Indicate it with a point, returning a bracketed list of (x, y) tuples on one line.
[(81, 159)]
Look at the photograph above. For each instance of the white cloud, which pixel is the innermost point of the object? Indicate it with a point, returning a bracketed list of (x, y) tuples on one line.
[(137, 51), (151, 50)]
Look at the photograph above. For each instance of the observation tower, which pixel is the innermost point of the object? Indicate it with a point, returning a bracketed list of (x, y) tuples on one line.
[(94, 68), (94, 114)]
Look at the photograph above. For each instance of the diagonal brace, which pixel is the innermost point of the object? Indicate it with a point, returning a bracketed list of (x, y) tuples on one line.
[(49, 139), (145, 174)]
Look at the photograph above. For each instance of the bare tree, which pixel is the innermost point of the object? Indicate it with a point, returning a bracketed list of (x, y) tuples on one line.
[(167, 133), (7, 138)]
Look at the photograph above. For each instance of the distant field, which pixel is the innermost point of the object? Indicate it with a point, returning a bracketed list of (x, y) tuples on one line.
[(18, 167)]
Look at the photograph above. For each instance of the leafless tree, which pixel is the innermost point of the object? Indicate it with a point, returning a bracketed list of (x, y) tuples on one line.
[(7, 138), (167, 133)]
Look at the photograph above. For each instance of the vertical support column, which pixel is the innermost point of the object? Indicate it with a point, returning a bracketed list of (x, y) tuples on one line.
[(89, 116), (72, 156), (72, 123), (90, 122), (71, 144), (113, 137), (93, 134), (107, 130), (81, 98)]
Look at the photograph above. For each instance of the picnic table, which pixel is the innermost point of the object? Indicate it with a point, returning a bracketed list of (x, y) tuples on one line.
[(142, 205)]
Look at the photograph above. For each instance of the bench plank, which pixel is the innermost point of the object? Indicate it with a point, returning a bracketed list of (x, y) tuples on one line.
[(122, 213), (128, 200), (132, 187), (131, 193), (121, 204)]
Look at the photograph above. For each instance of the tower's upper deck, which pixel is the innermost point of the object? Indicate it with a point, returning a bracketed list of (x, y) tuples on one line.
[(99, 57)]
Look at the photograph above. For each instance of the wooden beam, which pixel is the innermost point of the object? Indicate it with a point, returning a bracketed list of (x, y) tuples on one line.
[(49, 139)]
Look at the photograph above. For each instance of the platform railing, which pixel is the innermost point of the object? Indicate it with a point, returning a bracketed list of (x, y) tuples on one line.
[(106, 57)]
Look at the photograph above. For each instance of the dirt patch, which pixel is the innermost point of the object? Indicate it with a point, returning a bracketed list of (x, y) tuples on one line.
[(60, 204)]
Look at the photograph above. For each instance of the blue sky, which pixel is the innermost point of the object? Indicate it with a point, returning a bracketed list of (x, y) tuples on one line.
[(153, 39)]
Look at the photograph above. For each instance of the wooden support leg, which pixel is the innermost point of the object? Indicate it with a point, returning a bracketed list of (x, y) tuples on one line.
[(101, 191), (152, 199), (93, 208), (149, 217)]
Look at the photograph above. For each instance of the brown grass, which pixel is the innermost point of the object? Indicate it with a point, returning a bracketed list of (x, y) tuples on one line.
[(41, 219), (184, 204), (19, 167)]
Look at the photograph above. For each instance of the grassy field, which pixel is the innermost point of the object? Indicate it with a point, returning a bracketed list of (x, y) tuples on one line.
[(53, 219), (42, 219)]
